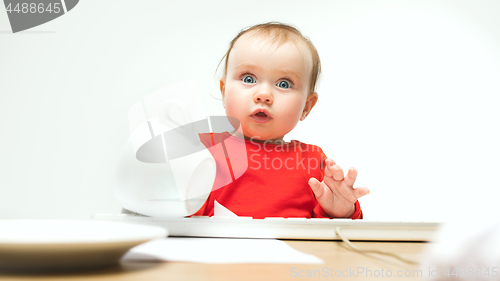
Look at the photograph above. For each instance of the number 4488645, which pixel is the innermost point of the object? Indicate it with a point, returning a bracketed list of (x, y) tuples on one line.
[(471, 272), (33, 8)]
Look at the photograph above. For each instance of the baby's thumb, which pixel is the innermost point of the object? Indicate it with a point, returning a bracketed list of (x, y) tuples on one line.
[(316, 187)]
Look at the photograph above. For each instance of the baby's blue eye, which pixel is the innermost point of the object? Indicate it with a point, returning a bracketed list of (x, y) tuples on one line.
[(248, 80), (283, 84)]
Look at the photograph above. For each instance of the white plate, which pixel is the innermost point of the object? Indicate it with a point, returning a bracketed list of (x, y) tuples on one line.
[(68, 244)]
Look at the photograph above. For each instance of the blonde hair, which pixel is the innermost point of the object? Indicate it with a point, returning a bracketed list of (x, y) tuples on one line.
[(280, 34)]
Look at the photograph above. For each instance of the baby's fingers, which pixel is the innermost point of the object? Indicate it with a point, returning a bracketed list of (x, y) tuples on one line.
[(329, 163), (361, 191), (350, 178), (337, 172)]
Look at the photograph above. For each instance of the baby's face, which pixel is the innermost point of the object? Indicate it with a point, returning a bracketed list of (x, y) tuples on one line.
[(266, 88)]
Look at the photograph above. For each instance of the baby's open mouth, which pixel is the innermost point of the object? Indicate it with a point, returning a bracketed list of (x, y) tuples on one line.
[(261, 116)]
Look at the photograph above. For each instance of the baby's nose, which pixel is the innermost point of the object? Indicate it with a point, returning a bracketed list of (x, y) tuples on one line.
[(260, 98), (263, 95)]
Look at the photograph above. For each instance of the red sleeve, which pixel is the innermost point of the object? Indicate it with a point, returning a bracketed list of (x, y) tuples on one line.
[(358, 214), (318, 212)]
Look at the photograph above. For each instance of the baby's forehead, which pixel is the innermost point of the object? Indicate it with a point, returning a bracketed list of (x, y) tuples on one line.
[(272, 42), (270, 39)]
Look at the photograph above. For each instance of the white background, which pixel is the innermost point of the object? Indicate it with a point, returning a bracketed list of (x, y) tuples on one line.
[(408, 95)]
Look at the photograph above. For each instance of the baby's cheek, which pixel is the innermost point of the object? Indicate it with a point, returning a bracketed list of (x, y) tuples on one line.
[(231, 112), (235, 110), (229, 106), (294, 114)]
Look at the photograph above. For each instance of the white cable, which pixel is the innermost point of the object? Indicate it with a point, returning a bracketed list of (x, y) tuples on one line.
[(339, 233)]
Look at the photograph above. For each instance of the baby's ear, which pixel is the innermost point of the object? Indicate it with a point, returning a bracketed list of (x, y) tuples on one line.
[(312, 98), (222, 91)]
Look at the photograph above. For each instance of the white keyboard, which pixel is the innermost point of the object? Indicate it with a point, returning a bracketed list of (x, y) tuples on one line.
[(285, 228)]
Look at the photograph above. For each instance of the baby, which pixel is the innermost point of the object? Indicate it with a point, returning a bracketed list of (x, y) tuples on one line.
[(268, 85)]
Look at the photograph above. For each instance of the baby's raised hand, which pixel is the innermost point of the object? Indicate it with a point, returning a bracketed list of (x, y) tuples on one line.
[(335, 193)]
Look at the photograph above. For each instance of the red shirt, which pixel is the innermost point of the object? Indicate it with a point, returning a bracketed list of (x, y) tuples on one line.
[(271, 181)]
